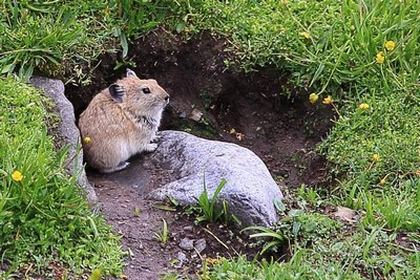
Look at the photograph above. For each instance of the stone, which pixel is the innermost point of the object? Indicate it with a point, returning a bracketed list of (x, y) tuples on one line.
[(188, 228), (66, 134), (195, 115), (182, 115), (200, 245), (250, 190), (345, 214), (182, 258), (186, 244)]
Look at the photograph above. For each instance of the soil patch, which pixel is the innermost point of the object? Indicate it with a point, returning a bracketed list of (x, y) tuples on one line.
[(137, 219), (249, 109)]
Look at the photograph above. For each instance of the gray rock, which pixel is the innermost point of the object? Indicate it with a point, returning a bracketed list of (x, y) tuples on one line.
[(188, 228), (66, 133), (186, 244), (250, 190), (196, 115), (200, 245), (182, 258)]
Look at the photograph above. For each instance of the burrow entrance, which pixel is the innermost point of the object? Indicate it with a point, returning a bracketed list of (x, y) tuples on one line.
[(248, 109)]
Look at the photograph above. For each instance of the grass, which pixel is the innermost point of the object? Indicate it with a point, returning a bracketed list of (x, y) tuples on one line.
[(211, 208), (276, 239), (163, 235), (322, 248), (207, 208), (60, 38), (43, 216), (329, 48)]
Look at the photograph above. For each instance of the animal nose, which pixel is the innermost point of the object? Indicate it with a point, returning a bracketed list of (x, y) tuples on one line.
[(167, 98)]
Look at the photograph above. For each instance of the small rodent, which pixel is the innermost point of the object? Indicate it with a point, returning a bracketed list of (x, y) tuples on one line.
[(122, 121)]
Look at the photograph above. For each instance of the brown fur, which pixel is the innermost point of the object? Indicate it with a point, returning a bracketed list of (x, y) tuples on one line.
[(114, 131)]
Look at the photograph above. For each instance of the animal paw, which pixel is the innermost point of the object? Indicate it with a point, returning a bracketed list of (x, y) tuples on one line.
[(123, 165), (155, 138), (120, 166), (151, 147)]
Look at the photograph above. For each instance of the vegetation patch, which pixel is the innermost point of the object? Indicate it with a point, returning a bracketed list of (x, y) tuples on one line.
[(359, 59), (322, 247), (44, 218), (65, 39)]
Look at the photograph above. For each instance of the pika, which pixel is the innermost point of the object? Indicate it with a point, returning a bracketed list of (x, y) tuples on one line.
[(122, 121)]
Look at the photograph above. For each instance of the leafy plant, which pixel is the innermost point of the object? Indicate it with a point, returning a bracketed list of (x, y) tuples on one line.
[(55, 36), (207, 208), (275, 238), (38, 199), (297, 226), (96, 274), (358, 58), (163, 235), (353, 52)]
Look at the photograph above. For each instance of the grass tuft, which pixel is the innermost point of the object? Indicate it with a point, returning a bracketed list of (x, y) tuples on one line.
[(43, 215)]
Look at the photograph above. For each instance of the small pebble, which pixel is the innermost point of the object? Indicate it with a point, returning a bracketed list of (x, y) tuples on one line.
[(186, 244), (188, 228), (181, 257), (196, 115), (200, 245)]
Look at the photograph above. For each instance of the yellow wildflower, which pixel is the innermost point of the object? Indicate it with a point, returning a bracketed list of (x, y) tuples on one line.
[(376, 157), (305, 34), (17, 176), (390, 45), (313, 98), (87, 140), (328, 100), (212, 261), (382, 181), (96, 274), (380, 57), (364, 106), (106, 11)]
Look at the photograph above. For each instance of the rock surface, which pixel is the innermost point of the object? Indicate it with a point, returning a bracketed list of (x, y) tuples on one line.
[(250, 190), (186, 244), (66, 134), (200, 245), (185, 160), (182, 258)]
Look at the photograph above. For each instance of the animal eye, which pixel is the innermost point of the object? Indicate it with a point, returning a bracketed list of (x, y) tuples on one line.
[(146, 90)]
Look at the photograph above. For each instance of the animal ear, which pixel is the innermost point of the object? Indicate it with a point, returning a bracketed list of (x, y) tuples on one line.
[(131, 73), (117, 92)]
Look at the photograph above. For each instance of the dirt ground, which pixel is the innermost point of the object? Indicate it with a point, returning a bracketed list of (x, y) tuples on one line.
[(137, 219), (247, 109)]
